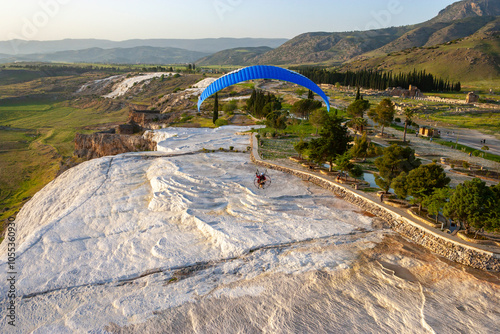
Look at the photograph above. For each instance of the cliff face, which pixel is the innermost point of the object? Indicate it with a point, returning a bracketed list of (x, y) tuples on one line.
[(468, 8), (103, 144)]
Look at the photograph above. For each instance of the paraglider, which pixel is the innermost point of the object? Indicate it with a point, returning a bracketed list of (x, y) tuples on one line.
[(262, 180), (261, 72)]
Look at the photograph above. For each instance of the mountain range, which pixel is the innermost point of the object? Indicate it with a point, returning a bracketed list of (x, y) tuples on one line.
[(458, 20), (137, 51), (461, 43), (205, 45), (135, 55)]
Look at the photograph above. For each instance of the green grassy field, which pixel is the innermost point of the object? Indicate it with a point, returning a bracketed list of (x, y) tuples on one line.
[(57, 123), (35, 137)]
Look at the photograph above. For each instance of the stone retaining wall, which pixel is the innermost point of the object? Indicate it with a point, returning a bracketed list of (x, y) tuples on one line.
[(438, 244)]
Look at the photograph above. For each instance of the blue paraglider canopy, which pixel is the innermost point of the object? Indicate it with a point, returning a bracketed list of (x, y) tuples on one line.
[(261, 72)]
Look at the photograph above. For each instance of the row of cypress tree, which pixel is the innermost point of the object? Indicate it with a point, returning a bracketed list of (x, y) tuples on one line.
[(371, 79)]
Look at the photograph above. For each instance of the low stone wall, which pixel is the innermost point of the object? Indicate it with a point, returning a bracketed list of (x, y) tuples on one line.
[(438, 244)]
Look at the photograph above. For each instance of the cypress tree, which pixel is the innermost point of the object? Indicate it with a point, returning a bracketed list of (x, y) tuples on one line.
[(216, 108)]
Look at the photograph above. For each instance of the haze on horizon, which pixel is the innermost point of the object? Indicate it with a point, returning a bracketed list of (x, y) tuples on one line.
[(191, 19)]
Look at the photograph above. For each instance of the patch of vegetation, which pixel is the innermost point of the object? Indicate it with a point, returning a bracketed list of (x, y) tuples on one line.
[(277, 148), (370, 190), (30, 158), (467, 149)]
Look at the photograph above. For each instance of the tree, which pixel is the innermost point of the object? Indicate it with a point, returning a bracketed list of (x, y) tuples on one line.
[(492, 216), (276, 120), (436, 201), (422, 181), (356, 171), (334, 141), (399, 185), (318, 118), (383, 114), (358, 95), (303, 108), (251, 100), (396, 159), (358, 124), (408, 119), (258, 103), (310, 95), (344, 163), (301, 147), (216, 108), (472, 204), (358, 108), (360, 148)]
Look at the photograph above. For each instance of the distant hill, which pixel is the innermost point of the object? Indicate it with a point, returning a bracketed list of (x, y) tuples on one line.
[(334, 48), (473, 58), (206, 45), (458, 20), (237, 56), (136, 55), (433, 33)]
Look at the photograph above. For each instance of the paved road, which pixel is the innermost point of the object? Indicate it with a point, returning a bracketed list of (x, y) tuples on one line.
[(471, 138)]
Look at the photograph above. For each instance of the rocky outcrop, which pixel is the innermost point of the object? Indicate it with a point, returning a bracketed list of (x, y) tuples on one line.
[(103, 144)]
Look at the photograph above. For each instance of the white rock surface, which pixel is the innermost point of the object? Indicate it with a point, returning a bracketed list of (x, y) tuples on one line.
[(122, 87), (146, 240), (182, 140)]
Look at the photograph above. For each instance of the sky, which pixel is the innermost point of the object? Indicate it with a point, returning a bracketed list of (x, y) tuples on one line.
[(144, 19)]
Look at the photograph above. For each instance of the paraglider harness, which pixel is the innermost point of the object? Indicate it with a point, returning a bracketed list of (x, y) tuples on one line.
[(262, 180)]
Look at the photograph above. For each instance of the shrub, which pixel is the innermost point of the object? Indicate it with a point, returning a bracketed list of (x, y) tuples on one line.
[(231, 148), (356, 171), (230, 106), (465, 164), (221, 122)]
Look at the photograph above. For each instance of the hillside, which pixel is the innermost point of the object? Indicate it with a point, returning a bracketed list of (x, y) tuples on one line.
[(143, 55), (468, 8), (430, 34), (459, 20), (330, 47), (473, 58), (237, 56)]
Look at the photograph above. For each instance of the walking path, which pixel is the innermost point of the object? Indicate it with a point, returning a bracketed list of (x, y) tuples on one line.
[(282, 164)]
